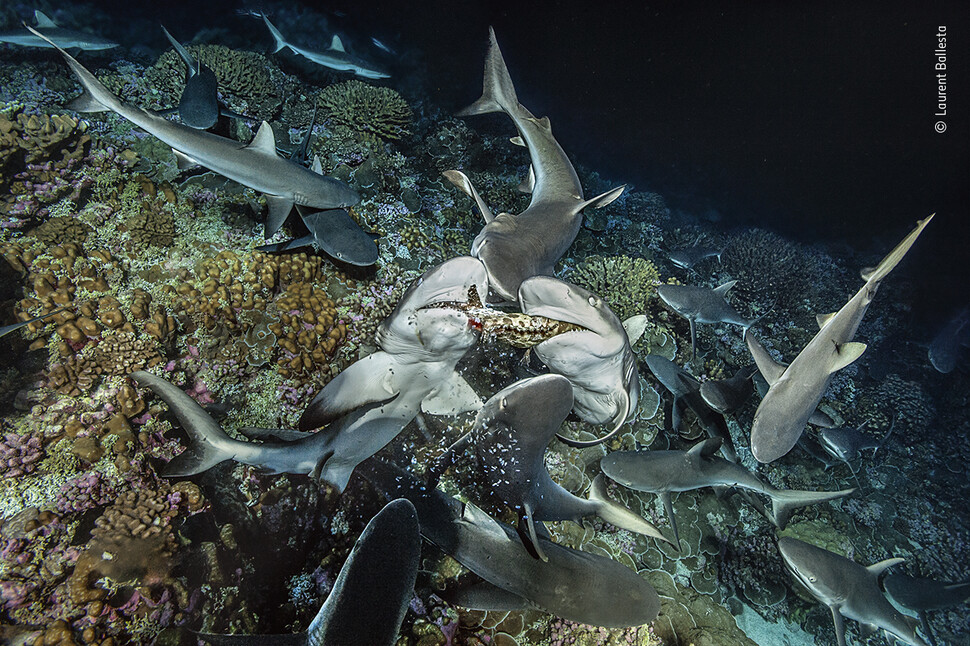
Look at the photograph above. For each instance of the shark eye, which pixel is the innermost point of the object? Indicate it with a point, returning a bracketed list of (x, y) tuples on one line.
[(505, 402), (812, 579), (593, 301)]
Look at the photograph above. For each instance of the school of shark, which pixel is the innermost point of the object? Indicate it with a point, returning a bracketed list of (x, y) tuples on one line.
[(287, 361)]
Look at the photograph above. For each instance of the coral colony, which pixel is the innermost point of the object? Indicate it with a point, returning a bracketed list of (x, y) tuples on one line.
[(125, 264)]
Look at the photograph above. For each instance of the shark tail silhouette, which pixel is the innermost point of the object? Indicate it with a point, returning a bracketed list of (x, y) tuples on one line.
[(96, 97), (275, 33), (873, 276), (498, 93), (785, 501), (618, 515)]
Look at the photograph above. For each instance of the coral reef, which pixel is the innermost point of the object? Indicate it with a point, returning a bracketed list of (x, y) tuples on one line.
[(370, 111), (626, 284)]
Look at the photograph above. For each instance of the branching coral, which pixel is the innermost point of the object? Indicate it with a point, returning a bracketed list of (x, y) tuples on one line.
[(627, 284), (373, 112)]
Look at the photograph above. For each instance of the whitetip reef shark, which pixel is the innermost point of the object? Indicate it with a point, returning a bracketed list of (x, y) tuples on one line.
[(47, 33), (335, 233), (701, 305), (850, 590), (335, 58), (727, 395), (368, 404), (509, 440), (597, 359), (572, 584), (922, 595), (257, 165), (664, 472), (795, 390), (687, 257), (515, 247), (371, 594)]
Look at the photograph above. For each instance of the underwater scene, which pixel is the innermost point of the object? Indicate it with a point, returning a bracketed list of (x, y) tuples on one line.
[(484, 324)]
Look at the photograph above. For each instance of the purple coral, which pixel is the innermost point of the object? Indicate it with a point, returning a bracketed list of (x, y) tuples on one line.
[(86, 492), (19, 454)]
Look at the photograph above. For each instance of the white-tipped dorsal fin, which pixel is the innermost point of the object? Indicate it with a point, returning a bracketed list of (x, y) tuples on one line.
[(461, 180), (880, 567), (846, 353), (723, 289), (317, 167), (265, 140), (634, 327), (822, 319), (337, 44), (770, 369), (43, 21), (518, 141), (529, 183)]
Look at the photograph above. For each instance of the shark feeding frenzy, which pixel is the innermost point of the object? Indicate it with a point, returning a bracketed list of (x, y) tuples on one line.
[(432, 409)]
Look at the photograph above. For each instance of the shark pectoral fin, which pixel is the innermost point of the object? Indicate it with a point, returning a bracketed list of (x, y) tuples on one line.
[(668, 504), (878, 568), (43, 21), (317, 167), (722, 290), (447, 459), (785, 501), (226, 112), (163, 113), (839, 625), (461, 180), (822, 319), (530, 533), (366, 381), (617, 424), (281, 434), (529, 183), (517, 140), (183, 161), (264, 141), (486, 596), (676, 413), (618, 515), (693, 339), (845, 354), (770, 369), (86, 103), (452, 397), (706, 449), (635, 327), (279, 210), (603, 199), (286, 245)]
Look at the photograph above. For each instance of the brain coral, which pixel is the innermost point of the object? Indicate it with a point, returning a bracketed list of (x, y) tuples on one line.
[(374, 112)]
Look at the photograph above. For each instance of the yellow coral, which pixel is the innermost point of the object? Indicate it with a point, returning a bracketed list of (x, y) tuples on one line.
[(371, 111)]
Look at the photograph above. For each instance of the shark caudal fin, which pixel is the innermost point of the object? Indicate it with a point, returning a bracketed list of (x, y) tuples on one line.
[(209, 444), (275, 33), (96, 97), (619, 515), (498, 93), (785, 501), (872, 277)]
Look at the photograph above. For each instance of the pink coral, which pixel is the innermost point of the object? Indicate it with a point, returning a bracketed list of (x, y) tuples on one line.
[(85, 492), (19, 454)]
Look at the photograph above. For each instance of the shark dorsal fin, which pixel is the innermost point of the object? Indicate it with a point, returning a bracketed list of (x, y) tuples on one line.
[(336, 44), (475, 516), (722, 290), (878, 568), (517, 140), (846, 353), (822, 319), (43, 21), (265, 140), (317, 167), (706, 449), (634, 327), (529, 183)]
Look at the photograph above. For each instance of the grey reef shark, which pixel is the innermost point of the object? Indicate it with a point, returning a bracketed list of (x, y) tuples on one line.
[(199, 105), (701, 305), (685, 390), (947, 347), (572, 584), (922, 595), (516, 247), (258, 166), (371, 594), (509, 440), (335, 58), (368, 404), (334, 232), (795, 390), (687, 257), (727, 395), (597, 358), (850, 590), (46, 33), (847, 444), (665, 472)]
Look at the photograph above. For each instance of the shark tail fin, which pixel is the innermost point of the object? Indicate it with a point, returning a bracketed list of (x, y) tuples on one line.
[(785, 501), (619, 515), (209, 444), (498, 93), (873, 276), (96, 97), (186, 57), (275, 33)]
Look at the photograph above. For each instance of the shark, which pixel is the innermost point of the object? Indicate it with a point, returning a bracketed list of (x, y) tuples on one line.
[(199, 105), (795, 390), (850, 590), (337, 234), (922, 595), (371, 594), (509, 439), (257, 165), (689, 256), (727, 395), (335, 58), (365, 406), (686, 392), (847, 444), (701, 305), (572, 584), (596, 359), (945, 349), (13, 327), (47, 33), (516, 247), (664, 472)]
